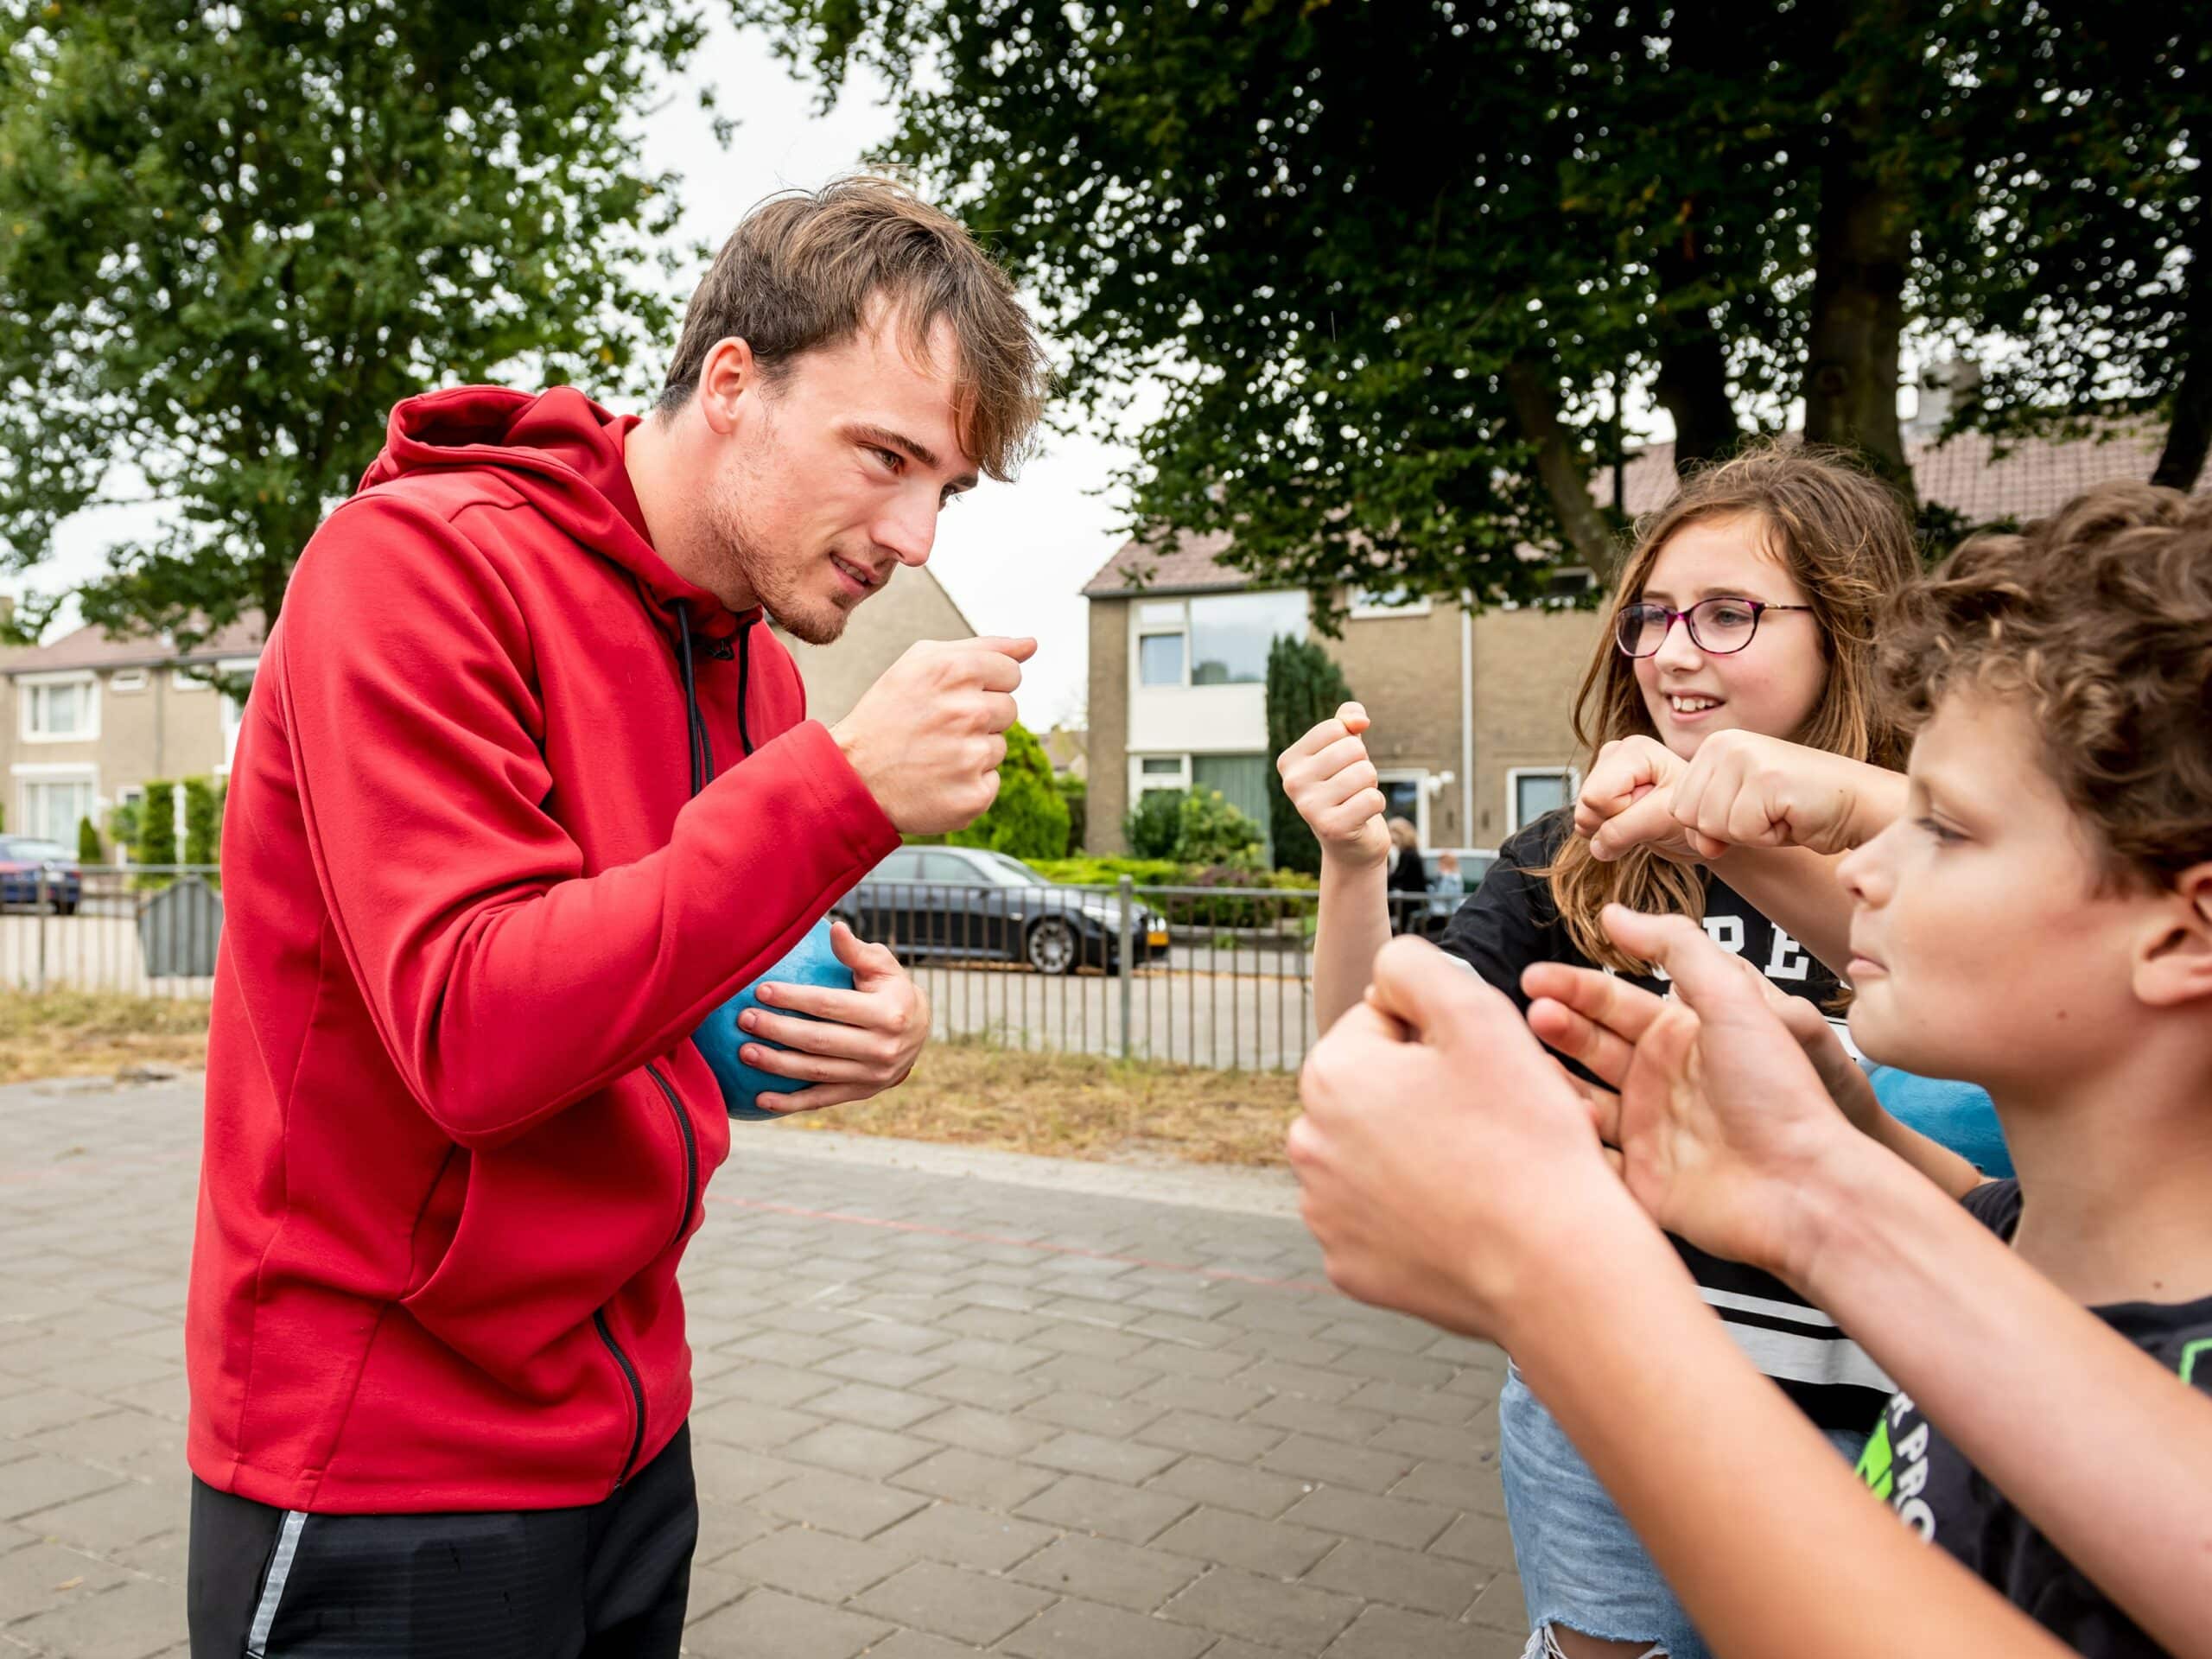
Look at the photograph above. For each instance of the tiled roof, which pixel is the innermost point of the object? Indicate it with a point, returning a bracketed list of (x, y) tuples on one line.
[(94, 647), (1978, 476)]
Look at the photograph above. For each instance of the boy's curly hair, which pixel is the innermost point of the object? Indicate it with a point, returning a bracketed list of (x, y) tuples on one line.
[(2098, 618)]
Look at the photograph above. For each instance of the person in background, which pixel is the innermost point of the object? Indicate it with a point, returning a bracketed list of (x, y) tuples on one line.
[(1405, 879)]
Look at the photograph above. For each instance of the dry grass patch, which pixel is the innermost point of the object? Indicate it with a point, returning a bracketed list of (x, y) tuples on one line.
[(963, 1093), (84, 1034)]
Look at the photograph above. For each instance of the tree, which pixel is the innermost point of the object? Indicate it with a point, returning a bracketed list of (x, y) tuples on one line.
[(1305, 687), (1029, 819), (233, 237), (157, 821), (1210, 829), (1153, 827), (89, 850), (203, 821)]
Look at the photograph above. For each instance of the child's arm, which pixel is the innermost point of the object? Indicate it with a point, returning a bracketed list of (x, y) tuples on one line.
[(1769, 818), (1726, 1141), (1329, 779), (1414, 1105)]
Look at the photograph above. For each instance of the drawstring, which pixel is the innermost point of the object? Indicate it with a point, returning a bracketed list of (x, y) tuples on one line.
[(692, 724), (697, 740)]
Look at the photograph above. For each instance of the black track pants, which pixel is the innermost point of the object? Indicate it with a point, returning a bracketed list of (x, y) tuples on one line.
[(607, 1581)]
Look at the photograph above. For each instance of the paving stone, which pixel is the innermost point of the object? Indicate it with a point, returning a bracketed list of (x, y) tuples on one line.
[(857, 1449), (1096, 1454), (1403, 1577), (893, 1335), (1357, 1514), (990, 1390), (1272, 1548), (1091, 1310), (1085, 1630), (1482, 1540), (1318, 1418), (1188, 1431), (952, 1602), (1081, 1504), (979, 1430), (39, 1482), (1472, 1448), (974, 1478), (880, 1367), (134, 1620), (1364, 1469), (1093, 1413), (1295, 1616), (1203, 1396), (859, 1508), (1008, 1358), (997, 1324), (1100, 1569), (1422, 1405), (769, 1624), (1232, 1486), (876, 1407), (1394, 1633), (726, 1526), (41, 1408), (119, 1517), (1090, 1340), (1502, 1605), (964, 1536), (765, 1384), (913, 1644), (35, 1576), (730, 1473), (1089, 1374), (807, 1561), (741, 1422), (786, 1348), (1449, 1485)]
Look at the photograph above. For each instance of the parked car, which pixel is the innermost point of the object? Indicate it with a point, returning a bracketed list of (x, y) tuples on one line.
[(966, 903), (22, 864)]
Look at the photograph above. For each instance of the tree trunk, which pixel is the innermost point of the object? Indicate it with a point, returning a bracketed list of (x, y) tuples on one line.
[(1692, 385), (1564, 478), (2189, 436), (1862, 248)]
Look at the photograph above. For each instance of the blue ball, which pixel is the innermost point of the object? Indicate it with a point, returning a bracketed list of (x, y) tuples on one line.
[(811, 962)]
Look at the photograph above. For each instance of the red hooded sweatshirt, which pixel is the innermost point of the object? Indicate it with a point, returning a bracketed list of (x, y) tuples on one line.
[(475, 904)]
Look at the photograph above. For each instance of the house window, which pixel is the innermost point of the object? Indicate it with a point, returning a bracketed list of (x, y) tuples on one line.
[(51, 806), (1162, 639), (1531, 792), (1371, 602), (1231, 634), (127, 679), (185, 679), (60, 710), (1159, 771)]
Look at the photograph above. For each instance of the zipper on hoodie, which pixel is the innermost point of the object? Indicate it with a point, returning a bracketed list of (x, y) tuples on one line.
[(690, 1151), (637, 1395)]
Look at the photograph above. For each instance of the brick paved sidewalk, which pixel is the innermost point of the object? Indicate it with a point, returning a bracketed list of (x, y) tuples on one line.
[(937, 1414)]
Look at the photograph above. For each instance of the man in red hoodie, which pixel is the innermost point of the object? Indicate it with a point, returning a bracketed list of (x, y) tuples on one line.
[(523, 792)]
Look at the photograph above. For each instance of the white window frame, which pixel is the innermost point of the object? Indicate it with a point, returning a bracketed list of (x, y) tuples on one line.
[(1418, 777), (1372, 604), (1571, 775), (127, 680), (26, 776), (182, 679), (1140, 781), (26, 686), (1141, 630), (231, 711)]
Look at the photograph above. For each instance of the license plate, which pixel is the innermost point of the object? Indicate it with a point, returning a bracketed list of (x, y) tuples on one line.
[(1158, 936)]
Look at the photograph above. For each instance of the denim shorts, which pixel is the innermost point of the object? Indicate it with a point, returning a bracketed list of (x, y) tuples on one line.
[(1581, 1564)]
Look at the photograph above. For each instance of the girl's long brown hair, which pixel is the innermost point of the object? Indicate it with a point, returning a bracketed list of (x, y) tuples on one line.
[(1843, 537)]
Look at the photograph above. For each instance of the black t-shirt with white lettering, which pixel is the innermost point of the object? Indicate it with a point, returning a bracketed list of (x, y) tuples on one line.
[(1938, 1493), (1509, 922)]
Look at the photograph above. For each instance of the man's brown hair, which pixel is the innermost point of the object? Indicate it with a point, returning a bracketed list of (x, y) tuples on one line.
[(2099, 620), (802, 269)]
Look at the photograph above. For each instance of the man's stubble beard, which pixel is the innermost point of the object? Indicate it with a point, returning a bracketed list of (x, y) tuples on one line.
[(771, 580)]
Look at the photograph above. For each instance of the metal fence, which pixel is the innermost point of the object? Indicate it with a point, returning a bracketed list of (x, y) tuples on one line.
[(1218, 977)]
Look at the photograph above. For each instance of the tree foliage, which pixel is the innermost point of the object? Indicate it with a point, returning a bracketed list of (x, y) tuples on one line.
[(158, 825), (1305, 687), (1398, 263), (231, 236), (203, 821), (1029, 819)]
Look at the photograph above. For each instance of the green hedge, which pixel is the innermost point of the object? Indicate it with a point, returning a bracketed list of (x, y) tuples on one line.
[(1227, 905)]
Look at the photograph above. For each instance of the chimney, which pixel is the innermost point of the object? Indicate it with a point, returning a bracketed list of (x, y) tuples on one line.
[(1944, 384)]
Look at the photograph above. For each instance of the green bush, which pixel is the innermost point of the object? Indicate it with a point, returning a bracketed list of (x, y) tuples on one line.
[(1075, 793), (125, 824), (89, 850), (1211, 830), (1086, 871), (1155, 824), (1028, 819), (1305, 687), (158, 825), (203, 821)]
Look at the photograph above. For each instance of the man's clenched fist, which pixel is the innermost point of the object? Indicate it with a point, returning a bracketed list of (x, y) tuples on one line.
[(927, 738)]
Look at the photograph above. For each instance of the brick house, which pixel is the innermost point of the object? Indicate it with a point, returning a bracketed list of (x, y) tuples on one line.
[(88, 720), (1471, 709)]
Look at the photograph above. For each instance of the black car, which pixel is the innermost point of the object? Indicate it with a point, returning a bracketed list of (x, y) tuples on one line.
[(966, 903)]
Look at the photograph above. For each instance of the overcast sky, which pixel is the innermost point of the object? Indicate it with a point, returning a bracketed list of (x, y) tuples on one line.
[(1011, 555)]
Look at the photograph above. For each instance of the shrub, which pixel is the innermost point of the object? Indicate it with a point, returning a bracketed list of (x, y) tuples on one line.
[(1028, 819), (1212, 831), (1305, 687), (1154, 825), (1075, 794), (158, 825), (203, 821), (89, 850)]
